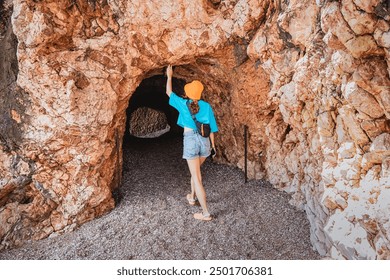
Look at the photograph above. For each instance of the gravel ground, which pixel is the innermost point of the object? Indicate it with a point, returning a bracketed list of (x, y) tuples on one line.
[(153, 220)]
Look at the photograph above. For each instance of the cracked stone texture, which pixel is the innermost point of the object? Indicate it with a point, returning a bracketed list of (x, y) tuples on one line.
[(310, 79)]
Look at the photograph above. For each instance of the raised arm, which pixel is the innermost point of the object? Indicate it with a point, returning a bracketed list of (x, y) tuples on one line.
[(169, 80)]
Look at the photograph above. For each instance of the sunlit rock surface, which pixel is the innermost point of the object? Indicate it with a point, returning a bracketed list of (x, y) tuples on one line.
[(310, 79)]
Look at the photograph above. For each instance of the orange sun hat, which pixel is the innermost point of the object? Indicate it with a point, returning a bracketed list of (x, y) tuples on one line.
[(194, 89)]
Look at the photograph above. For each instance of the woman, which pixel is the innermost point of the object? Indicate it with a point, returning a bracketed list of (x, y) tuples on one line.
[(196, 148)]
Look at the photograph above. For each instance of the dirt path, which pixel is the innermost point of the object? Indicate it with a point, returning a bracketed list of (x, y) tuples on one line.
[(152, 219)]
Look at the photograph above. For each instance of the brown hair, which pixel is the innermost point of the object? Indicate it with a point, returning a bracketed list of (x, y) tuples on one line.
[(194, 106)]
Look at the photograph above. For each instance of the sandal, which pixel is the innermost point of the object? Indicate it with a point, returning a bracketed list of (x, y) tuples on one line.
[(190, 200), (202, 217)]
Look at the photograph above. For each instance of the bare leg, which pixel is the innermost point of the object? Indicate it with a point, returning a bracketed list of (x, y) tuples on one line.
[(202, 160), (194, 166)]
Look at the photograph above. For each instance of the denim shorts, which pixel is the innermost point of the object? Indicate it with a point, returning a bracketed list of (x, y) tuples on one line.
[(194, 145)]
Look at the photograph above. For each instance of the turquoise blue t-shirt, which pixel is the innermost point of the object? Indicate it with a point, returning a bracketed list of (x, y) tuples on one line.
[(205, 114)]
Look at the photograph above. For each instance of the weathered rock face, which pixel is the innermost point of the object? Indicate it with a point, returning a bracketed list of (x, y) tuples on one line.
[(309, 78)]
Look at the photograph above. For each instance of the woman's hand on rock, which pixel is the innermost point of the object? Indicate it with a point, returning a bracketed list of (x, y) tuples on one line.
[(169, 71)]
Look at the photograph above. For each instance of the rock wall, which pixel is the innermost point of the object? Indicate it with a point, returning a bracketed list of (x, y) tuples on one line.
[(329, 65), (309, 78)]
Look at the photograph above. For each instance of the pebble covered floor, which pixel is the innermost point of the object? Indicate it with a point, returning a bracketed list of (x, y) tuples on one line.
[(152, 219)]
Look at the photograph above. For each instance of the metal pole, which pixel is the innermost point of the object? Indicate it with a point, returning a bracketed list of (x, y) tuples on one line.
[(246, 153)]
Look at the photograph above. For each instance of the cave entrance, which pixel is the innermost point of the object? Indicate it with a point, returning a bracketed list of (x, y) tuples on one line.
[(151, 138), (149, 114)]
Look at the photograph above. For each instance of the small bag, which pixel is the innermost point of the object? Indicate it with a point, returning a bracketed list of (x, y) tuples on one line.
[(203, 128)]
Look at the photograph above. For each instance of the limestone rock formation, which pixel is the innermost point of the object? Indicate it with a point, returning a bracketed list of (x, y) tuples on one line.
[(309, 78)]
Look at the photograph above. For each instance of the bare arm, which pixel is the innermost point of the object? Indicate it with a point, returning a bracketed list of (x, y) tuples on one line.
[(213, 143), (169, 80), (212, 139)]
